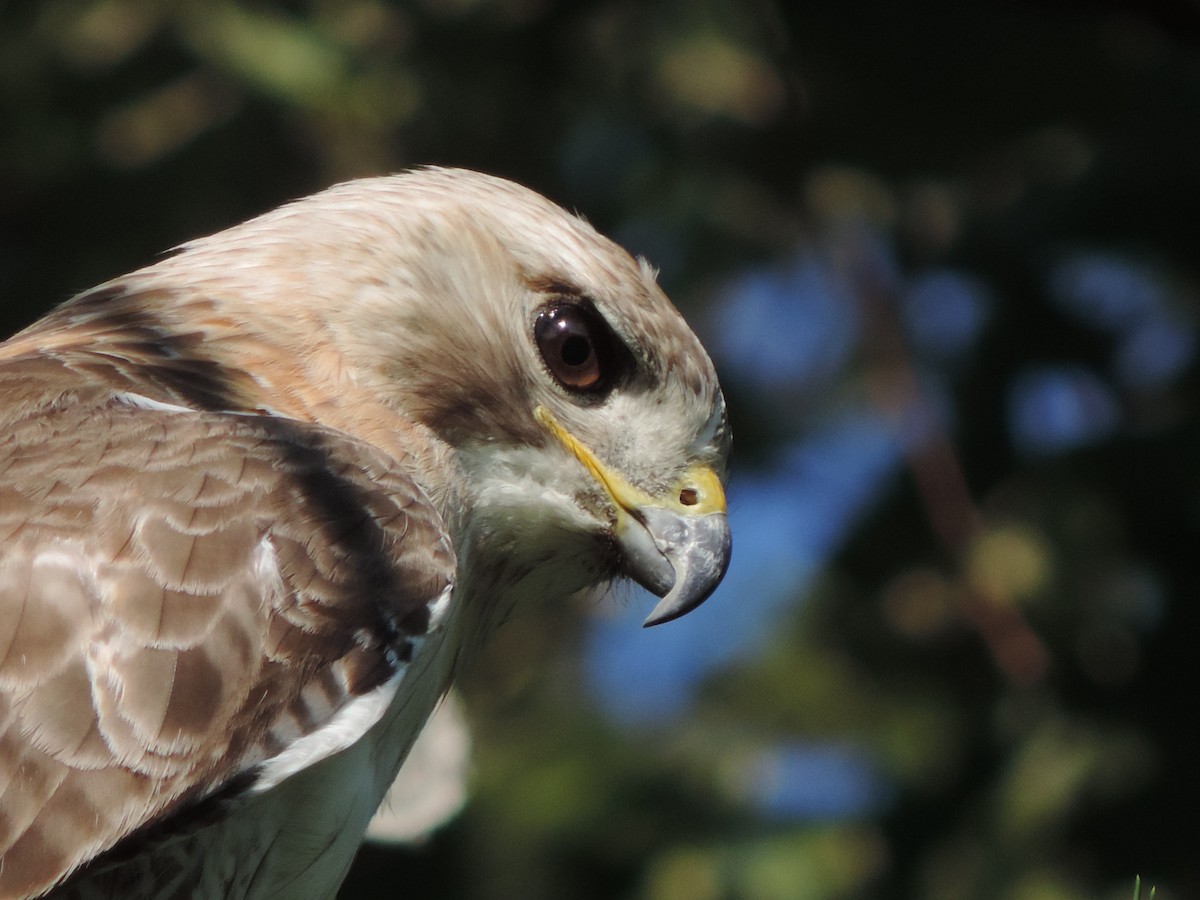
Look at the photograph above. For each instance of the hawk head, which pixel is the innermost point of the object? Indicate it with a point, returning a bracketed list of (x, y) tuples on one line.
[(571, 424)]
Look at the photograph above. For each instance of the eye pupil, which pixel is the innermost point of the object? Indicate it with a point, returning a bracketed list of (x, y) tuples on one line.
[(576, 350)]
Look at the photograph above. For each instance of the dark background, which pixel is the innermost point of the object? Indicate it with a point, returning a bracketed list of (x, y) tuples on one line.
[(944, 255)]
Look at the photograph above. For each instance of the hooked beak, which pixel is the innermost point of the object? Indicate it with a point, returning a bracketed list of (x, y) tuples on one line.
[(677, 546)]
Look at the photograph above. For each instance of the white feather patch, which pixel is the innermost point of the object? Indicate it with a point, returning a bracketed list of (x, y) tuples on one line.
[(345, 728), (437, 613), (137, 400)]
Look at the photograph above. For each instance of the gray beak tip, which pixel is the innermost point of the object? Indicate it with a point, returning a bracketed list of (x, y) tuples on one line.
[(667, 609), (698, 550), (677, 604)]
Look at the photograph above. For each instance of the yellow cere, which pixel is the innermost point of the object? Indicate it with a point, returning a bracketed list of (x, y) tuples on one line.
[(697, 493)]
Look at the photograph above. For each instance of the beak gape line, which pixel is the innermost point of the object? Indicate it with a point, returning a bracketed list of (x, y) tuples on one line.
[(676, 546)]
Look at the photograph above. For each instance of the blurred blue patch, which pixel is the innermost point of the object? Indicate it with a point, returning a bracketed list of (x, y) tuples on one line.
[(1105, 290), (1053, 409), (786, 327), (786, 523), (1131, 300), (1155, 353), (797, 781), (944, 312)]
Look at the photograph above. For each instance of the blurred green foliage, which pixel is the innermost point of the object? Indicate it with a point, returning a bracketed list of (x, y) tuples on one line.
[(1007, 635)]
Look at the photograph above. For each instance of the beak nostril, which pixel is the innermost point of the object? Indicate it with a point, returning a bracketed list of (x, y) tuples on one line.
[(689, 496)]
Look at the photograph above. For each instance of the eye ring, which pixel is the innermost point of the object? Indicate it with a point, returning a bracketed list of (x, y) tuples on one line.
[(576, 346)]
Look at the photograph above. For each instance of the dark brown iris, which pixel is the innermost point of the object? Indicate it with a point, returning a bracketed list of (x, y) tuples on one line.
[(576, 345)]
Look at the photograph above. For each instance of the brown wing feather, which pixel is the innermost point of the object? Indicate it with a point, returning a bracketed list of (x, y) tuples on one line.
[(181, 594)]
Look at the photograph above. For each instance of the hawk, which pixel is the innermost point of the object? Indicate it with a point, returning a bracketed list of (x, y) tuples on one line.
[(261, 500)]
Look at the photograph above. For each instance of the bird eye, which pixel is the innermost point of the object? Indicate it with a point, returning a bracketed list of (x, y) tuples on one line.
[(575, 343)]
